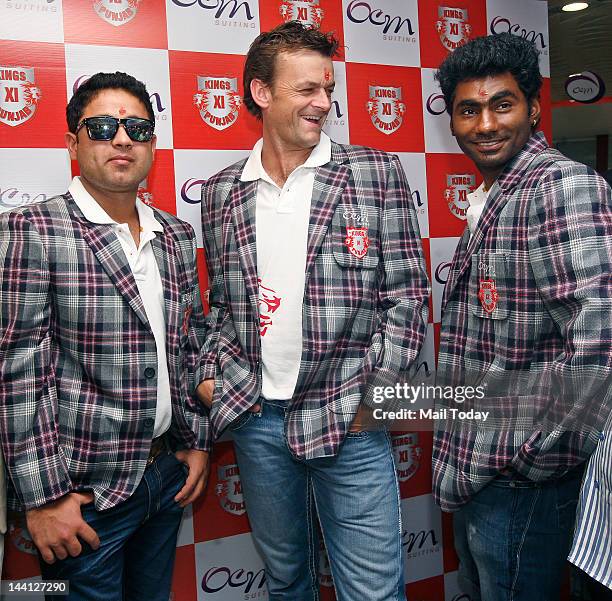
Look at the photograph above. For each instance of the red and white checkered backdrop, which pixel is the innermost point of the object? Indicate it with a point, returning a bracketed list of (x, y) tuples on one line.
[(180, 48)]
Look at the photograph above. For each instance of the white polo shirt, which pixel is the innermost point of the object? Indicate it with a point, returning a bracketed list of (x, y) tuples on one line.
[(282, 217), (148, 281)]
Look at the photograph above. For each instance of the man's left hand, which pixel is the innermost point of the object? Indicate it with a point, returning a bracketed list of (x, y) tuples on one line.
[(363, 419), (197, 462)]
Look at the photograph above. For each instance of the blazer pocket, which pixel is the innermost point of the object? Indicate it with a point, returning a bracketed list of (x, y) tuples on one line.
[(185, 308), (355, 237), (489, 285)]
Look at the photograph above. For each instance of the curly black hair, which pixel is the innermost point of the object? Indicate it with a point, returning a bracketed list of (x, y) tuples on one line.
[(292, 36), (87, 91), (491, 55)]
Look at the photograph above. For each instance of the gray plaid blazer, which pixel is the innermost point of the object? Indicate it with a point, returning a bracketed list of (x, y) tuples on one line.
[(364, 319)]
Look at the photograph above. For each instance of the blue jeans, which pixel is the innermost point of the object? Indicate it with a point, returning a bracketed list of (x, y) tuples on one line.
[(357, 500), (137, 542), (514, 536)]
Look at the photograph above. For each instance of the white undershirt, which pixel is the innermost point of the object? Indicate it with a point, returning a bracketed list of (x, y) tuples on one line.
[(148, 281), (282, 216), (476, 200)]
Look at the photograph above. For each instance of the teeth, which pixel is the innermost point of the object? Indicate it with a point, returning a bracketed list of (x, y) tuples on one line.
[(311, 118)]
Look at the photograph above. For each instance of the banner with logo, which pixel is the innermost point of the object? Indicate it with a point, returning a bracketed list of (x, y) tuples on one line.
[(190, 54)]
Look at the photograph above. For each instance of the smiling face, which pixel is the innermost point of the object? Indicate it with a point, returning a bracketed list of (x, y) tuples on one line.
[(118, 165), (492, 120), (295, 107)]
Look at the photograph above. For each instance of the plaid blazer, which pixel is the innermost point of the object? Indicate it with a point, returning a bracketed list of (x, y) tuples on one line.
[(527, 315), (78, 387), (364, 319)]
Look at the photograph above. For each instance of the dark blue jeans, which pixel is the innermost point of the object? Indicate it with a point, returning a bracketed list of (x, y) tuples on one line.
[(514, 536), (137, 542)]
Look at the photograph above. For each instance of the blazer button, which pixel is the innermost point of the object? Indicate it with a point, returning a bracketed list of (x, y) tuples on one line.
[(149, 422), (149, 373)]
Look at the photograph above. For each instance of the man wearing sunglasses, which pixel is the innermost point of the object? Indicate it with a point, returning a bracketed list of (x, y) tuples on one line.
[(100, 326)]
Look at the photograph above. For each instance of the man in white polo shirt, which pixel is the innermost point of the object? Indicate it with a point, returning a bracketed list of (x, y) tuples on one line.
[(318, 295), (100, 329)]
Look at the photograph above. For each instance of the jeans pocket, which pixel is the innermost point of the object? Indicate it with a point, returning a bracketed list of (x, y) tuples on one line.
[(242, 420), (359, 435)]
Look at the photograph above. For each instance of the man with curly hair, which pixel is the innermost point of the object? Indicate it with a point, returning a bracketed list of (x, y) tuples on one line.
[(526, 316)]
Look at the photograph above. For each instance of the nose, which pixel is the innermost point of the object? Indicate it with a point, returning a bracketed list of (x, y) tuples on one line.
[(121, 138), (487, 121), (322, 100)]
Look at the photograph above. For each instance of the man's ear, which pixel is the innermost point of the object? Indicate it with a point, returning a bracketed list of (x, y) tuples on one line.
[(71, 144), (261, 93), (535, 112), (452, 129)]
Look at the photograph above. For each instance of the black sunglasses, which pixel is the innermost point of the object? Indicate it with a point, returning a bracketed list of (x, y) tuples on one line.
[(105, 128)]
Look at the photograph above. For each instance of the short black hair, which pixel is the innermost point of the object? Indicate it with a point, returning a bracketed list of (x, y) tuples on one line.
[(87, 91), (292, 36), (491, 55)]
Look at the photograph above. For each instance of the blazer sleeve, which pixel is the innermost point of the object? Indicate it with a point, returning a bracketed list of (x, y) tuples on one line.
[(216, 300), (195, 411), (570, 251), (403, 292), (28, 397)]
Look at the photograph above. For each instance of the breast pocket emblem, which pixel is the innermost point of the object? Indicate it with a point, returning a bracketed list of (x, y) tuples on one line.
[(357, 241)]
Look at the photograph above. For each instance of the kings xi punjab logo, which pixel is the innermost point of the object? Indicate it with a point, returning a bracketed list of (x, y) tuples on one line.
[(19, 95), (357, 241), (218, 101), (487, 295), (144, 194), (308, 12), (407, 454), (457, 189), (386, 108), (452, 27), (229, 489), (116, 12)]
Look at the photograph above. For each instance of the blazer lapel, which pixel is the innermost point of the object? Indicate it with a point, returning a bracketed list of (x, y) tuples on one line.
[(500, 194), (330, 181), (164, 251), (109, 252), (242, 202)]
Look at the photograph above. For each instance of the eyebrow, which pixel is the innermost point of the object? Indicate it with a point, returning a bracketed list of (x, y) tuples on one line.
[(470, 102), (315, 84)]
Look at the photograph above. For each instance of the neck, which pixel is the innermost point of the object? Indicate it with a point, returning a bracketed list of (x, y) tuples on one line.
[(120, 206), (279, 161), (489, 178)]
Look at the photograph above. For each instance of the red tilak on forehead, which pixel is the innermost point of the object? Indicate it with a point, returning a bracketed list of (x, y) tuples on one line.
[(122, 111), (482, 92), (327, 75)]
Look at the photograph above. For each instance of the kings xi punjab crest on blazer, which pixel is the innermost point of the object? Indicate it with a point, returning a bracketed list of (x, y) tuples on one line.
[(452, 27), (18, 95), (487, 294), (357, 241), (116, 12), (308, 12), (218, 101), (386, 108)]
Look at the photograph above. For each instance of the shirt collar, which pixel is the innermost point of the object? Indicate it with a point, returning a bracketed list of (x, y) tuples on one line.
[(94, 213), (478, 196), (254, 170)]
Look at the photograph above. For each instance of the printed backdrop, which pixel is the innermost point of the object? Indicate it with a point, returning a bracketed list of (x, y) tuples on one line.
[(190, 54)]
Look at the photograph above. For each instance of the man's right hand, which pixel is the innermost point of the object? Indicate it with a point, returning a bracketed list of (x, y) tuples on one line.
[(205, 392), (54, 527)]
